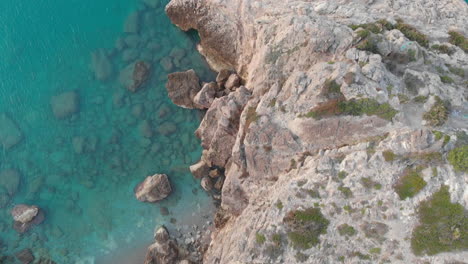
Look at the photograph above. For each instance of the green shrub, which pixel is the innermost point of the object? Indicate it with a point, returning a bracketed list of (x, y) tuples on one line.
[(360, 255), (457, 71), (363, 33), (438, 113), (420, 99), (443, 49), (375, 251), (412, 33), (276, 238), (387, 25), (368, 183), (342, 174), (403, 98), (372, 27), (409, 184), (459, 40), (346, 230), (252, 116), (346, 191), (458, 157), (305, 227), (389, 156), (279, 205), (412, 55), (260, 238), (443, 226), (368, 44), (367, 106), (446, 79), (272, 103)]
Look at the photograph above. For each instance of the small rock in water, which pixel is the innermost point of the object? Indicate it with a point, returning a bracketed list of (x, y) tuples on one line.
[(25, 256), (153, 188), (101, 65), (206, 183), (78, 144), (65, 104), (200, 169), (10, 134), (24, 213), (164, 210)]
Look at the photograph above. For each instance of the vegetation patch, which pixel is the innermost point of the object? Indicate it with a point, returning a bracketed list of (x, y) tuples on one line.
[(375, 251), (412, 33), (279, 205), (443, 49), (446, 79), (403, 98), (457, 71), (420, 99), (443, 226), (260, 238), (389, 156), (346, 230), (305, 227), (459, 40), (368, 44), (272, 102), (368, 183), (409, 184), (458, 158), (346, 191), (361, 255), (438, 114), (252, 116), (331, 89), (342, 174)]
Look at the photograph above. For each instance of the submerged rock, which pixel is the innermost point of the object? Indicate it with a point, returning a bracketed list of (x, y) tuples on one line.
[(10, 180), (182, 88), (132, 24), (65, 104), (10, 134), (25, 256), (101, 65), (153, 188), (135, 75)]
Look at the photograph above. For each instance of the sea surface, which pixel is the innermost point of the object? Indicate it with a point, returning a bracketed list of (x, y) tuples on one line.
[(81, 170)]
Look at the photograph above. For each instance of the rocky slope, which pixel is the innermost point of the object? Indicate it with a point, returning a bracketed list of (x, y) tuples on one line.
[(342, 129)]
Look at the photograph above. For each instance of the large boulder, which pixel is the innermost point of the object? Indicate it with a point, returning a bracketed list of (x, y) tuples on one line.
[(101, 65), (10, 180), (164, 251), (153, 188), (135, 75), (10, 134), (200, 169), (65, 104), (182, 88)]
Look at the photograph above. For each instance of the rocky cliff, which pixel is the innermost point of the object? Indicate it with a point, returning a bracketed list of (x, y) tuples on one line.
[(346, 140)]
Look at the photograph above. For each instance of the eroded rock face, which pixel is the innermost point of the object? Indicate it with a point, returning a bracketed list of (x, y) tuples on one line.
[(206, 95), (10, 134), (153, 188), (182, 88), (65, 104), (275, 145)]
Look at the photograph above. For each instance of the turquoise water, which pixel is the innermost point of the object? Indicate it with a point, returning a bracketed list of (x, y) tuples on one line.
[(87, 194)]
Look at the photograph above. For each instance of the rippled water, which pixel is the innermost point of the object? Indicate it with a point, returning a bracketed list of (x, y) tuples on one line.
[(82, 170)]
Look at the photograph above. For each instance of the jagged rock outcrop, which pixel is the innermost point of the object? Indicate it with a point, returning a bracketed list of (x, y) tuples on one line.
[(182, 87), (329, 115), (153, 188), (164, 250)]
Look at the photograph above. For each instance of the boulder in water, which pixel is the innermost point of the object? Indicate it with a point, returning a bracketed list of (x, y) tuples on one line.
[(132, 24), (153, 188), (182, 87), (65, 104), (10, 134), (24, 213)]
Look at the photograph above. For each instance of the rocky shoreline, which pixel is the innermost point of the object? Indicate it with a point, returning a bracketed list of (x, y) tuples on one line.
[(331, 123)]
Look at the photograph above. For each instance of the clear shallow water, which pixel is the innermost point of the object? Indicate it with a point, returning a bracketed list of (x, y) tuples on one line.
[(88, 197)]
